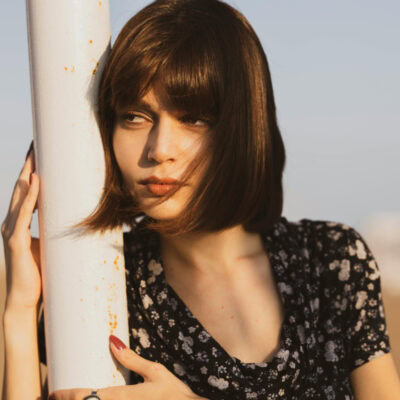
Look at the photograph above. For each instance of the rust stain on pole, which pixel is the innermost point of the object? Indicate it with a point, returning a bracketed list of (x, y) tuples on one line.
[(95, 69), (115, 263)]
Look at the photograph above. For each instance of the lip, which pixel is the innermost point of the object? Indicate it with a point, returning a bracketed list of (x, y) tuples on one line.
[(159, 181), (159, 186), (159, 189)]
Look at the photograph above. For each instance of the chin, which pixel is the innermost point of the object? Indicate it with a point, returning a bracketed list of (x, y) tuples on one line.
[(166, 210)]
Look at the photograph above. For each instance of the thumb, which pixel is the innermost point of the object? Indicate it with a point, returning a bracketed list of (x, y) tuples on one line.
[(130, 359)]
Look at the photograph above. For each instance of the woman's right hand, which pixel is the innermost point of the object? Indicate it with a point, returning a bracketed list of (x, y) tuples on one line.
[(21, 251)]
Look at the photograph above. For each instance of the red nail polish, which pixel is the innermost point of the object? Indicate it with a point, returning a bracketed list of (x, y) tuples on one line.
[(117, 342)]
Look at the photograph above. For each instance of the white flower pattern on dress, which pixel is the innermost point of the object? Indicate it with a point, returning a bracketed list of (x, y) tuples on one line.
[(329, 284)]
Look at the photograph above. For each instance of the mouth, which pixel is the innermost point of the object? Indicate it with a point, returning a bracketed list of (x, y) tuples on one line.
[(160, 189), (159, 186)]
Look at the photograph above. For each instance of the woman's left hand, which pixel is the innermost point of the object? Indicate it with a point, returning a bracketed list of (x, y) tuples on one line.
[(159, 383)]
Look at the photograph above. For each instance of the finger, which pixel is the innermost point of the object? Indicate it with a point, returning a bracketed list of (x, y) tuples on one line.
[(22, 185), (131, 360), (30, 148), (30, 162), (26, 211)]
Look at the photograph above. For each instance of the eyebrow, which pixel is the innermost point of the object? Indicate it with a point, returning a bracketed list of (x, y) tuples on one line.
[(143, 105)]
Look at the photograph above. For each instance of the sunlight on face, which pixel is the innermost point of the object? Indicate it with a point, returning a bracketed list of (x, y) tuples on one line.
[(151, 140)]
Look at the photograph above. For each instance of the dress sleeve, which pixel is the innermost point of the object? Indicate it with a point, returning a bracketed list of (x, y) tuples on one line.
[(366, 328)]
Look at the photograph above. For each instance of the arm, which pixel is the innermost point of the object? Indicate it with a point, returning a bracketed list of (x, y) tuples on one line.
[(23, 283), (372, 371), (376, 379), (21, 368)]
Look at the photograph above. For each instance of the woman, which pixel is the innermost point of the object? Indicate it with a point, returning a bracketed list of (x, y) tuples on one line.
[(227, 298)]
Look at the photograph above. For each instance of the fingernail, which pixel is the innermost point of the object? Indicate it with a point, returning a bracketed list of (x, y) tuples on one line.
[(29, 150), (117, 342)]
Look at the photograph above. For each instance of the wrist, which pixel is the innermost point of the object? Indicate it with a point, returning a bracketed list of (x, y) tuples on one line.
[(14, 314), (19, 328), (15, 306)]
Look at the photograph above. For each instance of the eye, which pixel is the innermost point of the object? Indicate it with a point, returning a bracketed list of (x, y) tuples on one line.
[(194, 121), (133, 118)]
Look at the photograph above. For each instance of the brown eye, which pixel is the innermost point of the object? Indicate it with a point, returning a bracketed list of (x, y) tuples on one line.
[(188, 119), (133, 118)]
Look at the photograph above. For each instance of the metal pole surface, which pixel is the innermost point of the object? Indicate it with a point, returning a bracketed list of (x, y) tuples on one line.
[(84, 290)]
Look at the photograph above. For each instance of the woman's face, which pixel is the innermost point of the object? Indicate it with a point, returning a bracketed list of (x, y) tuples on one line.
[(151, 140)]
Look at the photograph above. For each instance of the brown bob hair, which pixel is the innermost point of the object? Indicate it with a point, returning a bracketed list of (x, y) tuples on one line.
[(205, 59)]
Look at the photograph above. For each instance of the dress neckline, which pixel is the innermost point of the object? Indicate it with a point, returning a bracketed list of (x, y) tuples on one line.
[(289, 319), (164, 324)]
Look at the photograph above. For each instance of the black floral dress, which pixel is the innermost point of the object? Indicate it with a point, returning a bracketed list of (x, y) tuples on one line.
[(334, 321)]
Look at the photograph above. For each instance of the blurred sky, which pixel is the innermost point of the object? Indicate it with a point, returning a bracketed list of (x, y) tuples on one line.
[(335, 71)]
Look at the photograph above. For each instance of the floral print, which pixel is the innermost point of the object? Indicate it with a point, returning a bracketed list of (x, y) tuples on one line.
[(334, 319)]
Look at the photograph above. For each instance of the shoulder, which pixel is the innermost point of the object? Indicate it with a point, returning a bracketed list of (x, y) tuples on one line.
[(341, 260), (326, 240), (349, 282), (341, 267), (335, 244), (344, 257)]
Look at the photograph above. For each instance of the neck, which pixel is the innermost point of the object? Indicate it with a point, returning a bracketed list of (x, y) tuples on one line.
[(210, 254)]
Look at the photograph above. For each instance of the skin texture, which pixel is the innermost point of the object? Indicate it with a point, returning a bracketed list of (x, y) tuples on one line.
[(376, 379)]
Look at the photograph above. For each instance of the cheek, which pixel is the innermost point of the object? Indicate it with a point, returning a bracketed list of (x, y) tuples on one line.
[(127, 158)]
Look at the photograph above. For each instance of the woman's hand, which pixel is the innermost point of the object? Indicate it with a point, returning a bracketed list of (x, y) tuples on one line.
[(21, 251), (159, 383)]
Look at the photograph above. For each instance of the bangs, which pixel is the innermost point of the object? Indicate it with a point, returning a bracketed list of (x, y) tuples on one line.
[(202, 59), (184, 70)]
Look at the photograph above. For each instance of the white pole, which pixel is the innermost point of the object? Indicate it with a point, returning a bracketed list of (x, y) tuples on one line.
[(84, 290)]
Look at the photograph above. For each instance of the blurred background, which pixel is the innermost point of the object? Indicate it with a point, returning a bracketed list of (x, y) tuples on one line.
[(335, 71)]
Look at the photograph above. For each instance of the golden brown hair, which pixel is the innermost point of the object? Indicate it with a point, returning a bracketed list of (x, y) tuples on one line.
[(206, 60)]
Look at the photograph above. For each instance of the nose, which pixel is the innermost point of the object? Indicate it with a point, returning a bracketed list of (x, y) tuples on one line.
[(161, 142)]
